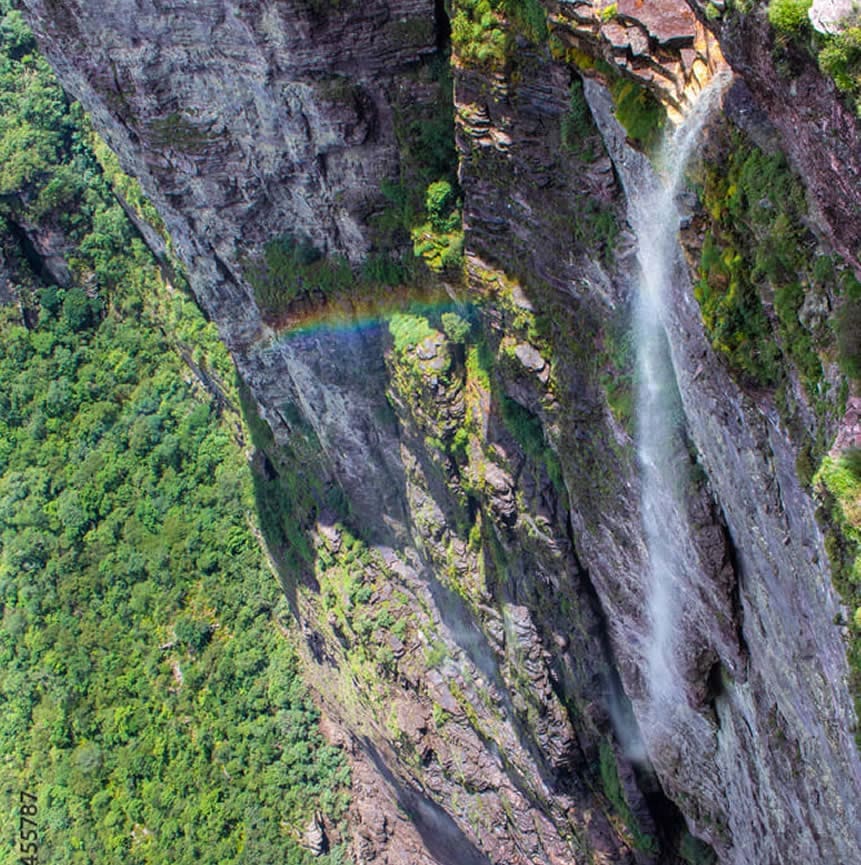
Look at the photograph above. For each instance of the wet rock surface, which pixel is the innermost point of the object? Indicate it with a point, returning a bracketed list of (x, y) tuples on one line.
[(746, 735)]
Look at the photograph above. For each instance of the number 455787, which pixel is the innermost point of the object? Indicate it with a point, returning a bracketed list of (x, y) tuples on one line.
[(28, 843)]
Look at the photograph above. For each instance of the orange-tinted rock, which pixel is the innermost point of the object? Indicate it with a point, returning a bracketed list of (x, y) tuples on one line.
[(667, 21)]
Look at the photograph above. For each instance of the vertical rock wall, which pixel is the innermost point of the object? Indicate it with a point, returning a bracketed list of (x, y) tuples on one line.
[(511, 551)]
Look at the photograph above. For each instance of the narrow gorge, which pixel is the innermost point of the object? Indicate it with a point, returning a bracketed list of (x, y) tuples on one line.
[(547, 323)]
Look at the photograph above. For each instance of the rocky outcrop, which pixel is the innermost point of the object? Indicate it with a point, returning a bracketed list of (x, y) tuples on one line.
[(464, 548), (817, 129), (660, 44)]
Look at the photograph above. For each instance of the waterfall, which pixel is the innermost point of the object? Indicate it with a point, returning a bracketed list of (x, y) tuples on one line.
[(661, 448)]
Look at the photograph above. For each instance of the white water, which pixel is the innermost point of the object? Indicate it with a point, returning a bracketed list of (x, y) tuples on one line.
[(660, 447)]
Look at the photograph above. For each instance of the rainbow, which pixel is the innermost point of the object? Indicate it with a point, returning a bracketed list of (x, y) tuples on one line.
[(349, 314)]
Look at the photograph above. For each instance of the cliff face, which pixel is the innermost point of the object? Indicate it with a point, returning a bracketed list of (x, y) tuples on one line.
[(464, 544)]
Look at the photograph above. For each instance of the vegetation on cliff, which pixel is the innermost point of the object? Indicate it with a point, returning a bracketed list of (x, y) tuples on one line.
[(151, 700), (838, 52)]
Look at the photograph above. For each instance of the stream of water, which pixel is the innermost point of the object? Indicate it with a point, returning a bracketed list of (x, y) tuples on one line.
[(659, 417)]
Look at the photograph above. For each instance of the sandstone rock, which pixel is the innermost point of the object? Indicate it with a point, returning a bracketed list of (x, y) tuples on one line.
[(530, 357), (669, 22), (828, 16)]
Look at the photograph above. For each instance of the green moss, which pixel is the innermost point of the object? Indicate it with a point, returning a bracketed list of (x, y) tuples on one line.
[(840, 58), (479, 363), (847, 327), (696, 852), (528, 431), (617, 377), (639, 111), (176, 130), (577, 129), (789, 16), (839, 483), (613, 791), (596, 229), (756, 247)]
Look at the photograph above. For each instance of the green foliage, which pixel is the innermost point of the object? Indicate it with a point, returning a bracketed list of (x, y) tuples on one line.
[(789, 16), (639, 112), (409, 330), (840, 58), (292, 268), (124, 519), (757, 246), (128, 188), (839, 483), (528, 17), (440, 240), (478, 36), (455, 327), (33, 112), (480, 29), (617, 378), (423, 206), (608, 13), (713, 12)]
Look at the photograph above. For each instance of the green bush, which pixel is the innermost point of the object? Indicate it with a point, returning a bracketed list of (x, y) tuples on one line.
[(455, 327), (409, 330), (529, 17), (292, 268), (840, 58), (477, 34), (439, 205), (789, 16), (439, 241)]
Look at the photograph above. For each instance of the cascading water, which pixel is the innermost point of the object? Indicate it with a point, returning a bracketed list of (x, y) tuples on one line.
[(661, 446)]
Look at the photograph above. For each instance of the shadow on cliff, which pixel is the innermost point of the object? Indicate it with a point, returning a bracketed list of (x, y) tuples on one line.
[(441, 836)]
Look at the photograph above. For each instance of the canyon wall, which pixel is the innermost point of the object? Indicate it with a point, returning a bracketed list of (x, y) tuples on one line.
[(461, 538)]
